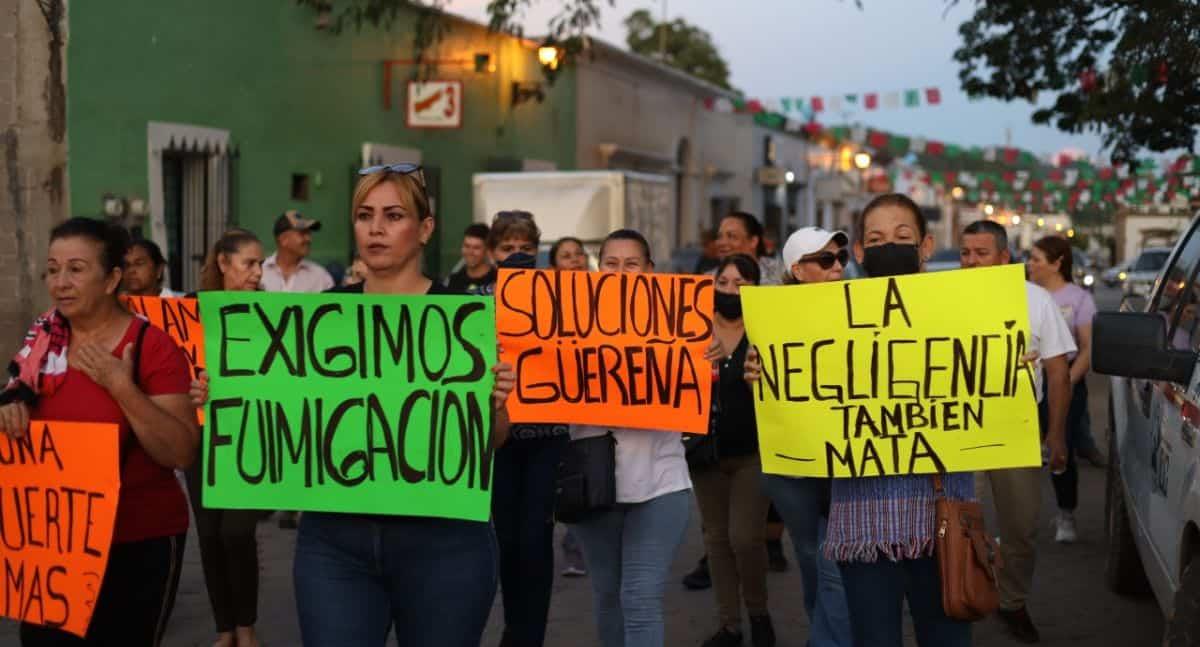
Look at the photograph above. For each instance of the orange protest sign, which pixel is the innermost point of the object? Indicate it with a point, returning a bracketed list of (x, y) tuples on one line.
[(620, 349), (58, 504), (180, 318)]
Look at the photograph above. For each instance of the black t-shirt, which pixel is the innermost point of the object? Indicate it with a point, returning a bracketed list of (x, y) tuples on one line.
[(462, 283), (737, 430), (357, 288)]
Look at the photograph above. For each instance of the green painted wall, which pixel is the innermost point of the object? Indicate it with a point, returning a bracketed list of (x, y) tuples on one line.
[(296, 100)]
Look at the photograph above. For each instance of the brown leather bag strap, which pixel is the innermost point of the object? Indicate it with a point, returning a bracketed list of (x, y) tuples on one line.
[(938, 490)]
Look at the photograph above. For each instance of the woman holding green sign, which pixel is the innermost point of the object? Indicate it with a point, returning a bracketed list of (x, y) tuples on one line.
[(228, 544), (357, 576)]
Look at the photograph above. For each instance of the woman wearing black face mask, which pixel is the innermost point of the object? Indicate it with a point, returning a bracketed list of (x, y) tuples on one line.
[(727, 477), (881, 529)]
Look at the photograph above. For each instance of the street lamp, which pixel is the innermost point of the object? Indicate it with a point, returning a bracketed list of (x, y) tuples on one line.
[(989, 209), (957, 192), (862, 160), (548, 56), (1058, 226), (1016, 219)]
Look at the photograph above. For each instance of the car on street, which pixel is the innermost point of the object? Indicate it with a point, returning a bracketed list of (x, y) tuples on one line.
[(1116, 274), (1152, 501), (1144, 269), (1084, 268)]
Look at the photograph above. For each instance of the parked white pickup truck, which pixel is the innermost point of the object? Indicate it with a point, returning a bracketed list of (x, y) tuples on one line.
[(1153, 498)]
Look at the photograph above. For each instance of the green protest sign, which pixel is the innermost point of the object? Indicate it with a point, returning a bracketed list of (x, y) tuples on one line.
[(349, 403)]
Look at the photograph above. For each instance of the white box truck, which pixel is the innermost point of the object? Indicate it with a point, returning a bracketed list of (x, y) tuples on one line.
[(585, 204)]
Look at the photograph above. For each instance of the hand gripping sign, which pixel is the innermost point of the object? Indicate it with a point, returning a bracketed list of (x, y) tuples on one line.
[(902, 375), (620, 349), (58, 505), (349, 403)]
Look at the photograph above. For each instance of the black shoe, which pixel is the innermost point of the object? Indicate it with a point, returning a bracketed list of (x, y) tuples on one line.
[(1019, 625), (762, 632), (775, 559), (724, 638), (699, 579)]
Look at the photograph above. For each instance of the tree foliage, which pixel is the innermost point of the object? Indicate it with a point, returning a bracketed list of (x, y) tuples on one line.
[(568, 28), (681, 45), (1126, 69)]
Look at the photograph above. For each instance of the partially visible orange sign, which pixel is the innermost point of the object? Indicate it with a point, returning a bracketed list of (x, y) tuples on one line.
[(58, 505), (180, 318), (620, 349)]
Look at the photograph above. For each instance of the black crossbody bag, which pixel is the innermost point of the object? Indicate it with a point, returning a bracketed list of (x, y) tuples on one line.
[(587, 479)]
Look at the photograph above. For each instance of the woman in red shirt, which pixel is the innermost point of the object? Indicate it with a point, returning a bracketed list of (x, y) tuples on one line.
[(121, 370)]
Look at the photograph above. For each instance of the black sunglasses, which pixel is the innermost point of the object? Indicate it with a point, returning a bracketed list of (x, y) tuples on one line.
[(827, 259), (402, 169)]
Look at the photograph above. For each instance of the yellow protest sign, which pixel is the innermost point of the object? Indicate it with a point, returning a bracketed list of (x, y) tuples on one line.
[(902, 375)]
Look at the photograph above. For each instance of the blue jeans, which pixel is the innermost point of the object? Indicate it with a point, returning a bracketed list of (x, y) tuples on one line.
[(800, 503), (523, 511), (356, 577), (876, 591), (629, 550)]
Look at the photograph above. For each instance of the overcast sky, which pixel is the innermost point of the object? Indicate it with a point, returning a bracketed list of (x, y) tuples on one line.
[(805, 48)]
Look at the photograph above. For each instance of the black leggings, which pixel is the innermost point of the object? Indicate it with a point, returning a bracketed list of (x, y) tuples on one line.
[(229, 558), (136, 598), (1066, 485)]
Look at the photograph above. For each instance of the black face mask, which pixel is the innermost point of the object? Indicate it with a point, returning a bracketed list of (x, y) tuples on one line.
[(519, 261), (891, 259), (728, 305)]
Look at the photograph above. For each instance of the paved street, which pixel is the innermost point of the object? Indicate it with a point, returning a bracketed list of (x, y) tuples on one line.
[(1070, 604)]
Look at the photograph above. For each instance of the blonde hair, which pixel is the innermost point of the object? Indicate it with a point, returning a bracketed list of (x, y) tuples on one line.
[(409, 185), (211, 277)]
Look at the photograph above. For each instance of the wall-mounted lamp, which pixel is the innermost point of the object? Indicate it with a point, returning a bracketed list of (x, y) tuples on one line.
[(523, 91), (549, 56), (483, 62)]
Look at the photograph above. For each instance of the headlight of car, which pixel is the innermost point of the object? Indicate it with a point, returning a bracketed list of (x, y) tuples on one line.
[(1088, 280), (1121, 276)]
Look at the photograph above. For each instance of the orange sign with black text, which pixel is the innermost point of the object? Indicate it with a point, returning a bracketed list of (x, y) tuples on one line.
[(601, 348), (179, 318), (58, 505)]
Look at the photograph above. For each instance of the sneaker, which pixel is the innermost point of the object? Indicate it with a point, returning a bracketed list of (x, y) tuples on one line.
[(1019, 625), (1093, 456), (762, 632), (775, 559), (699, 579), (724, 638), (1064, 531)]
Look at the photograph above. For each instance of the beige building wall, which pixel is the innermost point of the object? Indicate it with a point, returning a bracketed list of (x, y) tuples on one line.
[(634, 114), (33, 155)]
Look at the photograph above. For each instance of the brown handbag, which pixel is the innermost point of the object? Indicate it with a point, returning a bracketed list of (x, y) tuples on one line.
[(968, 558)]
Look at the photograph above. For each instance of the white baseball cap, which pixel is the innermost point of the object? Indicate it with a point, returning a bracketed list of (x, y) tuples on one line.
[(809, 240)]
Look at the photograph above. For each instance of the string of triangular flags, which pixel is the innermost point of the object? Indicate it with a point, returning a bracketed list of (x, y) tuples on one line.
[(810, 106), (1025, 181)]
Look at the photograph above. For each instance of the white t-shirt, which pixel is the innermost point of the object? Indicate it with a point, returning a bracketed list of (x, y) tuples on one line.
[(649, 463), (308, 277), (1050, 334)]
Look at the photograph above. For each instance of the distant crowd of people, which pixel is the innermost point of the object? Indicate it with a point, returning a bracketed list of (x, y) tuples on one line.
[(863, 546)]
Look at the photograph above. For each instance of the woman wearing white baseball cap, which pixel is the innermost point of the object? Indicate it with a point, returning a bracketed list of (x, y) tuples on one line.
[(811, 255), (814, 255)]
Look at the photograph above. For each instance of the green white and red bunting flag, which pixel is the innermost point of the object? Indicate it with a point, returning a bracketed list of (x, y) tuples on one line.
[(870, 100)]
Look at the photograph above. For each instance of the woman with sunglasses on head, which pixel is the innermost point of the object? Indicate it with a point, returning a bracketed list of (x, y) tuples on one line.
[(811, 255), (728, 483), (524, 470), (228, 545), (358, 576), (90, 360)]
